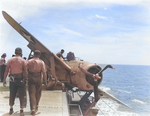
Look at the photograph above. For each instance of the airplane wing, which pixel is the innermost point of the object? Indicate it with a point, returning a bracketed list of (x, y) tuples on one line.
[(47, 56)]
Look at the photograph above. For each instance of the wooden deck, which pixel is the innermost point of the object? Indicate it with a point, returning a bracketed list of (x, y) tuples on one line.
[(52, 103)]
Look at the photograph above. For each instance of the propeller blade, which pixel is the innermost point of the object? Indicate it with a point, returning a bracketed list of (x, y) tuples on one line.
[(96, 95), (108, 66), (84, 71), (95, 76)]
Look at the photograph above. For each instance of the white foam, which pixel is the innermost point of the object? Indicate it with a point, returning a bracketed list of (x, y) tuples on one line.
[(138, 101), (105, 88), (124, 91), (128, 114), (110, 107)]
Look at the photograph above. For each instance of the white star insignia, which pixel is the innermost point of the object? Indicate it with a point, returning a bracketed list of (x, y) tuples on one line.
[(28, 37)]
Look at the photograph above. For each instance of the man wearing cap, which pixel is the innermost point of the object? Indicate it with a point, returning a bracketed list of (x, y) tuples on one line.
[(36, 69), (16, 67), (2, 66)]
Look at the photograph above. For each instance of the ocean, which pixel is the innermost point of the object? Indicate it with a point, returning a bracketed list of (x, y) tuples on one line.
[(131, 85)]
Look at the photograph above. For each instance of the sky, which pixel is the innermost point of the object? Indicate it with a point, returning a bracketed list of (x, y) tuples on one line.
[(97, 31)]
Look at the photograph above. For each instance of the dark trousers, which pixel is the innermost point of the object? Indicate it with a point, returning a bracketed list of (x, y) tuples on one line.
[(2, 71), (34, 88), (20, 87)]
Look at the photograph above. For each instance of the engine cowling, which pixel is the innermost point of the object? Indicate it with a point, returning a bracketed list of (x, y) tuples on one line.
[(80, 79)]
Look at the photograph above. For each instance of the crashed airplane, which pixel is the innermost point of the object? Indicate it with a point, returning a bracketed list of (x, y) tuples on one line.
[(76, 80)]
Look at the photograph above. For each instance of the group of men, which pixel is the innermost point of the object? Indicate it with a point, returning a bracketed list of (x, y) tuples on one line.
[(21, 73), (70, 55)]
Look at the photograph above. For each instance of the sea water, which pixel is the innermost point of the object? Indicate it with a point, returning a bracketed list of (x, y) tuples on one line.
[(131, 85)]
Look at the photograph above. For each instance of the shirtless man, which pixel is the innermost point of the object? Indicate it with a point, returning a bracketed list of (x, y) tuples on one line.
[(36, 68), (16, 67), (60, 54)]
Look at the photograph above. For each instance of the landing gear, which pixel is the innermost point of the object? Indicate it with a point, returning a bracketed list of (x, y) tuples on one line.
[(81, 102)]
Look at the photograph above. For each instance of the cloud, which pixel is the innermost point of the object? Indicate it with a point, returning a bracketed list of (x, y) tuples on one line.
[(61, 32), (30, 7), (101, 39), (110, 19), (72, 32), (101, 17), (16, 4)]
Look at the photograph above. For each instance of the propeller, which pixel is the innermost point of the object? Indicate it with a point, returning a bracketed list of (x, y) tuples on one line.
[(107, 66), (96, 77)]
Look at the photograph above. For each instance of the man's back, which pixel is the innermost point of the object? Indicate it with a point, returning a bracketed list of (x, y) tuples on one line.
[(36, 65), (16, 65)]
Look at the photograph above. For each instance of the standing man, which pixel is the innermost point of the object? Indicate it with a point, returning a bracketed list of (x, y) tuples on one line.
[(36, 68), (16, 67), (59, 54), (2, 66)]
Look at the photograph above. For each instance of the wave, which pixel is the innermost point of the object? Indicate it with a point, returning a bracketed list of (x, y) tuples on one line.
[(138, 101), (105, 88), (124, 91), (110, 107)]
